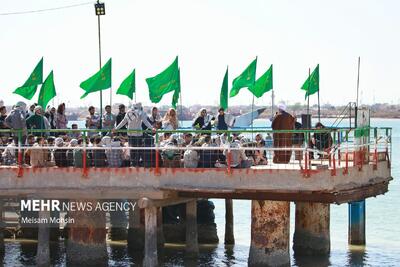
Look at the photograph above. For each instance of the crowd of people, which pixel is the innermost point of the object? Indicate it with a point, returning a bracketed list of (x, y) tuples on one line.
[(129, 139)]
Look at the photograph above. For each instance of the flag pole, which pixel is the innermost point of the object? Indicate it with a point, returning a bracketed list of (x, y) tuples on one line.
[(308, 91), (358, 86), (319, 109), (272, 103), (101, 91)]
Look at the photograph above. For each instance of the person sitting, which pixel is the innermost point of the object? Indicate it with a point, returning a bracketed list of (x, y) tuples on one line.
[(98, 155), (238, 158), (39, 157), (208, 158), (171, 157), (321, 140), (78, 155), (114, 153), (260, 156), (191, 157), (8, 155), (60, 155)]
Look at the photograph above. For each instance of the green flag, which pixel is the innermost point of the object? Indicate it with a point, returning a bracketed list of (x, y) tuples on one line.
[(177, 91), (128, 86), (223, 97), (28, 90), (263, 84), (311, 85), (163, 83), (246, 79), (99, 81), (47, 91)]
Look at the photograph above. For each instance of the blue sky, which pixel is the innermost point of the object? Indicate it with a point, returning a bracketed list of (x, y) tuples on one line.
[(207, 35)]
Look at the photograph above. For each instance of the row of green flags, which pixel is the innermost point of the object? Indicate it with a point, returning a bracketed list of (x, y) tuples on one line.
[(163, 83), (159, 85)]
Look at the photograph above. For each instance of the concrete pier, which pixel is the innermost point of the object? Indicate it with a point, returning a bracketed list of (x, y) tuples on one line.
[(150, 238), (229, 236), (311, 236), (357, 223), (192, 245), (135, 230), (86, 245), (160, 229), (270, 221), (43, 247), (2, 226)]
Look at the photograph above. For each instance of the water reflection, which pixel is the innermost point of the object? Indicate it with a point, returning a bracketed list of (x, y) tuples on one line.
[(357, 256), (229, 255), (312, 261)]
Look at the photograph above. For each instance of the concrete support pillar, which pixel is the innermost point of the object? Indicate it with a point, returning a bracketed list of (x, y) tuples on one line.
[(160, 229), (150, 238), (229, 236), (43, 247), (86, 245), (2, 226), (357, 223), (311, 236), (270, 221), (192, 245), (136, 230)]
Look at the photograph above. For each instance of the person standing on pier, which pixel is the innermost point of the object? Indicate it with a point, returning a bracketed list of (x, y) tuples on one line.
[(170, 120), (61, 118), (282, 121), (120, 117), (203, 120), (108, 119), (37, 122), (134, 119), (92, 121), (224, 121)]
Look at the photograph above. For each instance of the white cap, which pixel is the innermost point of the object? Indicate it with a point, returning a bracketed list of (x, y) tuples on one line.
[(282, 106)]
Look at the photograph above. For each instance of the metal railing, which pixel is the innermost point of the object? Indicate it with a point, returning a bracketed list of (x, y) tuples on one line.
[(303, 150)]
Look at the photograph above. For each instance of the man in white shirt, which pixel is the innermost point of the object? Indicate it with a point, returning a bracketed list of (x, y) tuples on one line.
[(134, 119)]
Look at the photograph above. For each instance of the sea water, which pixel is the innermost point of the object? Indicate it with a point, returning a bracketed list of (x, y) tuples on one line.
[(382, 232)]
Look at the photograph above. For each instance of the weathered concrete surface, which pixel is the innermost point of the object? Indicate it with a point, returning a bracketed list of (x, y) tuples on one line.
[(150, 238), (86, 244), (136, 230), (136, 183), (311, 236), (2, 226), (229, 236), (192, 245), (43, 247), (270, 221)]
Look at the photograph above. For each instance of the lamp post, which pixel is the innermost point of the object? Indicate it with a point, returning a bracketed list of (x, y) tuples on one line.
[(100, 11)]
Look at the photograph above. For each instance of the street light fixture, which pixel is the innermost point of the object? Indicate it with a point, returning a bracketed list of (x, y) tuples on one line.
[(100, 11)]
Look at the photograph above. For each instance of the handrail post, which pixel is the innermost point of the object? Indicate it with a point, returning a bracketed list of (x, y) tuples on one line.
[(85, 174), (19, 156), (307, 159), (157, 160), (229, 156)]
